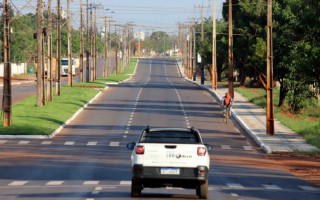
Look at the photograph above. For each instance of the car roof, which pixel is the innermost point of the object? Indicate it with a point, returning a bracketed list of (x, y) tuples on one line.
[(172, 129)]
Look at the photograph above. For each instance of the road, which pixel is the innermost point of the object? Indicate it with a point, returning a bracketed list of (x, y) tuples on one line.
[(22, 91), (88, 160)]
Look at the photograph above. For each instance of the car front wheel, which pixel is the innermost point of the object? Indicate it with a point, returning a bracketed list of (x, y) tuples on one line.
[(135, 189)]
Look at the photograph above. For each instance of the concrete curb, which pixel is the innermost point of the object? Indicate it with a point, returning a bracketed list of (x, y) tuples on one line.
[(134, 72), (235, 116), (58, 129)]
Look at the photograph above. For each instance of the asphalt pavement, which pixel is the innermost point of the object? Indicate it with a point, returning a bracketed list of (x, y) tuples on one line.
[(88, 159)]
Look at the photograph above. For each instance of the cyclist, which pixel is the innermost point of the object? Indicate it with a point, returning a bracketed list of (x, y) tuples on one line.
[(227, 102)]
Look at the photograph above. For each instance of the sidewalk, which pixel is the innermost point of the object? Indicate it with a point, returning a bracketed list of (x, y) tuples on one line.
[(253, 119)]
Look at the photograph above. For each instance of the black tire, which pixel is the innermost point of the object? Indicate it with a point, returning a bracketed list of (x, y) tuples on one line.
[(202, 190), (135, 189)]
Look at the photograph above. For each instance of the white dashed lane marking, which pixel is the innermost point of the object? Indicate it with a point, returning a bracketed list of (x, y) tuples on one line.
[(90, 183), (247, 148), (46, 142), (126, 132), (24, 142), (234, 195), (225, 147), (125, 136), (95, 192), (92, 143), (234, 185), (114, 144), (98, 188), (54, 182), (3, 141), (125, 182), (18, 183), (309, 188), (271, 187), (69, 143)]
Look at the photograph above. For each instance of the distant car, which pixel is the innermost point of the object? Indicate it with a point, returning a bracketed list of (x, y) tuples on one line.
[(173, 157)]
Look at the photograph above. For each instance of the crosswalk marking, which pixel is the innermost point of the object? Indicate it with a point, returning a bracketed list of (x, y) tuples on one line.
[(225, 147), (309, 188), (234, 194), (90, 183), (54, 182), (69, 143), (234, 185), (46, 142), (247, 148), (92, 143), (24, 142), (3, 141), (125, 182), (272, 187), (18, 183), (114, 144)]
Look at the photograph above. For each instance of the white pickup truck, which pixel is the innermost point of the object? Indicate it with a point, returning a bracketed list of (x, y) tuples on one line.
[(65, 67), (173, 157)]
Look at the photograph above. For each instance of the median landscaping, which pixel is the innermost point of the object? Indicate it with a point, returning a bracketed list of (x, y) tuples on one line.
[(28, 119)]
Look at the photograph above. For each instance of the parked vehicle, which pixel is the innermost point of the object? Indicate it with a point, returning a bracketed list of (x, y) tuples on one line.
[(173, 157), (64, 67)]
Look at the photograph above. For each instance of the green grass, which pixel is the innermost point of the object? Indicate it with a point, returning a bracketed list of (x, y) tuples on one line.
[(306, 123), (122, 76), (90, 84), (28, 119)]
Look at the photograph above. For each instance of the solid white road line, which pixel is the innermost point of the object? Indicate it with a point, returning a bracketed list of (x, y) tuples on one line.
[(18, 183), (54, 182), (90, 183), (271, 187)]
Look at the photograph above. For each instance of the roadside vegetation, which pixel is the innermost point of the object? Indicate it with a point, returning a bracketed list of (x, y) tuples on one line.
[(306, 122)]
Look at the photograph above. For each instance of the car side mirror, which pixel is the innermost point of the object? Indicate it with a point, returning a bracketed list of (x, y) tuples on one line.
[(131, 145), (209, 147)]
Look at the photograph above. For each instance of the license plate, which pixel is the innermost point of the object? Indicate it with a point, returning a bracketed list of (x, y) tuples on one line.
[(170, 171)]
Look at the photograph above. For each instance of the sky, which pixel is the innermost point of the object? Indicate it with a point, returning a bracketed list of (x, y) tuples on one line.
[(159, 15)]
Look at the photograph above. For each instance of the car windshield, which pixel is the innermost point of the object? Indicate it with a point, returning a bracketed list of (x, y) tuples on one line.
[(64, 62), (170, 137)]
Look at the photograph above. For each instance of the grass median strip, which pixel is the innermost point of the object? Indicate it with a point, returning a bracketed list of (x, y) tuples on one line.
[(127, 72), (28, 119)]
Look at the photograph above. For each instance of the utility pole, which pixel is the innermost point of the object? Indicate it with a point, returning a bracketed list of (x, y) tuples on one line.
[(58, 66), (116, 48), (81, 44), (109, 50), (92, 48), (95, 45), (202, 45), (49, 42), (105, 68), (7, 100), (214, 48), (190, 53), (87, 47), (70, 76), (231, 89), (39, 57), (119, 45), (194, 53), (270, 113)]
